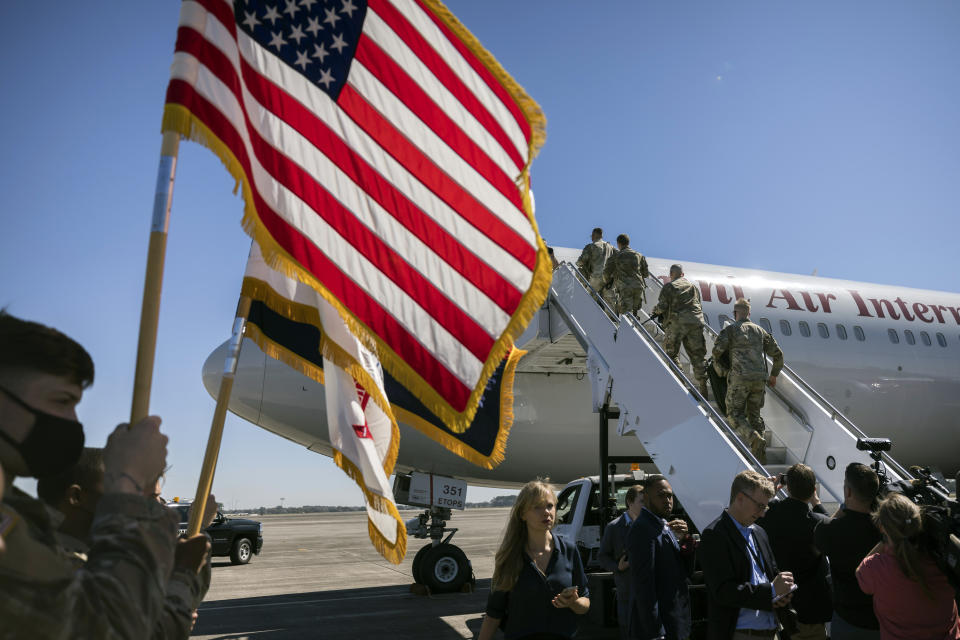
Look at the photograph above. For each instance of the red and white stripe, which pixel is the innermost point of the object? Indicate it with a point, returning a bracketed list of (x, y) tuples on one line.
[(400, 197)]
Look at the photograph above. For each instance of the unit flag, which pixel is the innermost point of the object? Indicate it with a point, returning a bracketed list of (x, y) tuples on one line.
[(383, 157), (363, 431)]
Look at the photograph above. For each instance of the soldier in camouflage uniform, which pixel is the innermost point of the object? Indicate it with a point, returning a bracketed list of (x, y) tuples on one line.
[(591, 262), (747, 343), (119, 593), (74, 495), (682, 317), (627, 271)]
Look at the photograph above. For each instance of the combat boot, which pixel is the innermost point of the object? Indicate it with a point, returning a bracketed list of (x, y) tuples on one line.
[(702, 386), (758, 446)]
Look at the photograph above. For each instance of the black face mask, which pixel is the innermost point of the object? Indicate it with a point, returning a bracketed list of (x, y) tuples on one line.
[(53, 444)]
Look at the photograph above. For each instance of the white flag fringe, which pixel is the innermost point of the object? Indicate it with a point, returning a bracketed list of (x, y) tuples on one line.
[(363, 430)]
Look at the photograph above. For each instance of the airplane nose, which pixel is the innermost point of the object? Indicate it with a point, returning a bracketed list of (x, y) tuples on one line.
[(273, 396), (247, 394)]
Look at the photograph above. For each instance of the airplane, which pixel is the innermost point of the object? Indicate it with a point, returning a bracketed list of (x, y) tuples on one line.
[(887, 357)]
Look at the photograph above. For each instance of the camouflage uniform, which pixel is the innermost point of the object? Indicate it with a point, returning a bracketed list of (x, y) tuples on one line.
[(184, 593), (627, 271), (591, 262), (679, 303), (118, 593), (747, 344)]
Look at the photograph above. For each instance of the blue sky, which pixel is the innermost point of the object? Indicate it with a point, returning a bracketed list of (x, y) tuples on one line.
[(782, 136)]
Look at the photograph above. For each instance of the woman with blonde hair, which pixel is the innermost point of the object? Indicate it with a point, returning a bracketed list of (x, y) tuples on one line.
[(539, 585), (912, 598)]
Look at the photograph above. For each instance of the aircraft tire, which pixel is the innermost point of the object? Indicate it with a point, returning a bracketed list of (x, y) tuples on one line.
[(445, 569), (418, 562)]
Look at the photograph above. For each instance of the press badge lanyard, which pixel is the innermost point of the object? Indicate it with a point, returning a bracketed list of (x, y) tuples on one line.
[(753, 553)]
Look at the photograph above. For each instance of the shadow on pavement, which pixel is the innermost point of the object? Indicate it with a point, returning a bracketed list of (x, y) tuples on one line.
[(374, 612)]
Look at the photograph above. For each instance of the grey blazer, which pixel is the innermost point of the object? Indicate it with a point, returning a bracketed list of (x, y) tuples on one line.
[(612, 546)]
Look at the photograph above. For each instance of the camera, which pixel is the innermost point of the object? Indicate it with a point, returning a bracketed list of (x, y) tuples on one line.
[(940, 512), (874, 445)]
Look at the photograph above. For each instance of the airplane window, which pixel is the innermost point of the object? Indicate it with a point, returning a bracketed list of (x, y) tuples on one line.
[(858, 331), (909, 336), (822, 330), (925, 337), (941, 339), (894, 338), (566, 503), (723, 320), (804, 328), (785, 327), (841, 332), (766, 325)]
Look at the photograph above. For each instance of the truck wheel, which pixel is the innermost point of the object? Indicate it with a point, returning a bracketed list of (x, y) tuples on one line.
[(445, 568), (418, 562), (242, 551)]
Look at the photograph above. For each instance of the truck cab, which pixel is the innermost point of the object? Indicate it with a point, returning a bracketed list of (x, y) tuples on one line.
[(581, 516)]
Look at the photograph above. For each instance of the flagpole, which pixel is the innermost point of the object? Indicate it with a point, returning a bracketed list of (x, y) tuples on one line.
[(219, 417), (153, 281)]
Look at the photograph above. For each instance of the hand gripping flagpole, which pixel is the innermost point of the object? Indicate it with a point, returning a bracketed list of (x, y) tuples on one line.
[(153, 282), (219, 416)]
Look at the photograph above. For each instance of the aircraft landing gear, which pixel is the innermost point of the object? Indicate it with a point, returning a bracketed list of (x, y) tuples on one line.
[(439, 565)]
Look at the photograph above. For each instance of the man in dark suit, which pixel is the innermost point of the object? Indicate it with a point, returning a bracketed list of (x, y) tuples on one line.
[(790, 524), (613, 553), (743, 583), (659, 567)]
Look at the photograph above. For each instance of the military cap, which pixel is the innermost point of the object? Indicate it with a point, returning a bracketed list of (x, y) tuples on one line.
[(742, 303)]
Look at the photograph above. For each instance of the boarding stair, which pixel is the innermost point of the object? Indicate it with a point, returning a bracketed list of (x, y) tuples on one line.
[(687, 438)]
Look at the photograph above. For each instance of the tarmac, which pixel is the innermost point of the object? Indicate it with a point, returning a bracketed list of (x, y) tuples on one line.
[(318, 576)]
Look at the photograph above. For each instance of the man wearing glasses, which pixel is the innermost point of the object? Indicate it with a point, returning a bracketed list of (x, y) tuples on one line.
[(744, 587)]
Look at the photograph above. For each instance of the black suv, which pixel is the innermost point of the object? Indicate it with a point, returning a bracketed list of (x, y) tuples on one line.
[(234, 537)]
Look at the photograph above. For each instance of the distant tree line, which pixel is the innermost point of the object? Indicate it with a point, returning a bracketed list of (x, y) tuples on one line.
[(498, 501)]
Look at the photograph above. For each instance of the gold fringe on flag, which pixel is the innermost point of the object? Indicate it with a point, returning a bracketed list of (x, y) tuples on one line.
[(394, 552)]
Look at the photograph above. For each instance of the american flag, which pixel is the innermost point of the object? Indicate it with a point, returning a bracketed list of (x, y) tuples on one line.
[(384, 156)]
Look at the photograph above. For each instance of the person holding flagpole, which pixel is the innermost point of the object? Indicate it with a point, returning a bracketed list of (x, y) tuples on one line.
[(43, 374), (539, 586)]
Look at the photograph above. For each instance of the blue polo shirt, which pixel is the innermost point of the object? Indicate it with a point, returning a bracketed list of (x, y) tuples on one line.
[(528, 606), (754, 618)]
